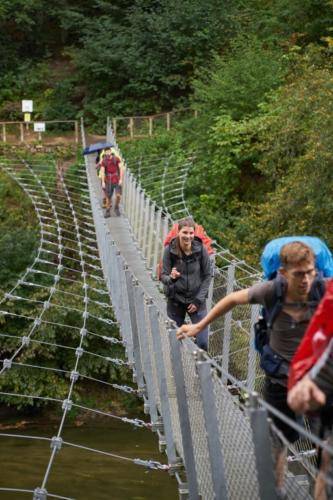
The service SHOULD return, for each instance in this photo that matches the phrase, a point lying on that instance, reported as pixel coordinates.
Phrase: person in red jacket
(111, 180)
(311, 370)
(310, 383)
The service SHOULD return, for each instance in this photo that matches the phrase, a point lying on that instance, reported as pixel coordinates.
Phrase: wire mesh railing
(57, 322)
(240, 425)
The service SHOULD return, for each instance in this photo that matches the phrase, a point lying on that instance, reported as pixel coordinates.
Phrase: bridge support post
(165, 227)
(134, 330)
(134, 205)
(157, 242)
(141, 218)
(262, 449)
(125, 192)
(114, 279)
(151, 234)
(125, 323)
(147, 361)
(211, 291)
(137, 211)
(130, 200)
(162, 382)
(227, 325)
(184, 417)
(145, 227)
(251, 368)
(210, 413)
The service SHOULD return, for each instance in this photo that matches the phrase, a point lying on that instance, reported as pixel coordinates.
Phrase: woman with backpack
(186, 275)
(111, 178)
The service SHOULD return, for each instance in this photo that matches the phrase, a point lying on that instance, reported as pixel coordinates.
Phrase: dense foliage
(259, 73)
(18, 231)
(263, 163)
(52, 345)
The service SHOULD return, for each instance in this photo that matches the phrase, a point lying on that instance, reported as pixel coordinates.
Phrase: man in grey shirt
(298, 273)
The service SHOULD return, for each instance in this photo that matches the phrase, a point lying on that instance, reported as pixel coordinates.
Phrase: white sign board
(27, 106)
(39, 127)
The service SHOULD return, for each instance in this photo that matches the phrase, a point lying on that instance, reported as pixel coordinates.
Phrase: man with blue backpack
(295, 286)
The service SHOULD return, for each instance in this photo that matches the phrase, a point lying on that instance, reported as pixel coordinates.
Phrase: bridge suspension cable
(48, 286)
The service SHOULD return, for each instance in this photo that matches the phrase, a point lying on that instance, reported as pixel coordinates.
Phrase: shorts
(111, 188)
(325, 418)
(320, 422)
(275, 395)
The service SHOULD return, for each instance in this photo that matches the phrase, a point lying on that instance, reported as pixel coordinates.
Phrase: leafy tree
(237, 82)
(296, 159)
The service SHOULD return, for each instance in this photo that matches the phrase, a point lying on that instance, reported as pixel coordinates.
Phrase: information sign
(27, 106)
(39, 127)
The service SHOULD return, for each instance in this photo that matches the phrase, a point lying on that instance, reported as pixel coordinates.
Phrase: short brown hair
(295, 253)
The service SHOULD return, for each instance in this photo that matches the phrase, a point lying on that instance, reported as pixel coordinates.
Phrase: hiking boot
(107, 213)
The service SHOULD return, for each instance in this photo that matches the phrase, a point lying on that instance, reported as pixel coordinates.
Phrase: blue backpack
(270, 259)
(271, 362)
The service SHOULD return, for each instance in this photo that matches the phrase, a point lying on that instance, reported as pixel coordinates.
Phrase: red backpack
(199, 232)
(112, 169)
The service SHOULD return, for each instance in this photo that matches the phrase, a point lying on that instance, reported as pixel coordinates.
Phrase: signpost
(39, 127)
(27, 106)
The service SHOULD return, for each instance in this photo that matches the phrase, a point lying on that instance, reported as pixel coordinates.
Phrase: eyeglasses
(301, 274)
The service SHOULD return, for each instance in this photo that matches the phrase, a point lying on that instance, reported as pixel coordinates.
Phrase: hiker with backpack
(186, 275)
(311, 372)
(111, 177)
(310, 384)
(289, 300)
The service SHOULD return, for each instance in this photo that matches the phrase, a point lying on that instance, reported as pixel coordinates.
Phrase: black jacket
(195, 274)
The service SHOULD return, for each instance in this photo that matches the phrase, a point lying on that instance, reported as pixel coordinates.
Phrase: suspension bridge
(93, 276)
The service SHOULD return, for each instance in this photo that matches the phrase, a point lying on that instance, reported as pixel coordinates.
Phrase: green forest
(258, 72)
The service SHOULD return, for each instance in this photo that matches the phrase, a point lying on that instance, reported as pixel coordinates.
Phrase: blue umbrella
(97, 146)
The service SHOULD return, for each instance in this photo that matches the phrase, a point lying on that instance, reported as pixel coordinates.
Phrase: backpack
(199, 232)
(270, 261)
(112, 169)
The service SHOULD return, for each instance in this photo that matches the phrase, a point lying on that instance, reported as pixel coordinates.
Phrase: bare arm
(222, 307)
(102, 174)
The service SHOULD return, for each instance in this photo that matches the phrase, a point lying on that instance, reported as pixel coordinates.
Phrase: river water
(82, 474)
